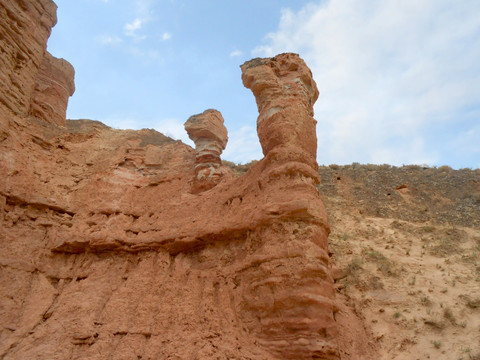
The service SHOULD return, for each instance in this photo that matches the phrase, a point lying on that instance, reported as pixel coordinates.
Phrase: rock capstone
(285, 92)
(210, 136)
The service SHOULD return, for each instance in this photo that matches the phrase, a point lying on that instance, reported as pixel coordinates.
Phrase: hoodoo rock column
(210, 137)
(288, 295)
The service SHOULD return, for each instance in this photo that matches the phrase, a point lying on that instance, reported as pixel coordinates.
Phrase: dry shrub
(384, 265)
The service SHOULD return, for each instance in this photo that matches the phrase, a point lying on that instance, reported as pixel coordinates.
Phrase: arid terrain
(124, 244)
(407, 244)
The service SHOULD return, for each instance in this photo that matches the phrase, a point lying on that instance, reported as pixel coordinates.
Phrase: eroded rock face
(25, 27)
(108, 253)
(297, 308)
(285, 93)
(54, 85)
(210, 137)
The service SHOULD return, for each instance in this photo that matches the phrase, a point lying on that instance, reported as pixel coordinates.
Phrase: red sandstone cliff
(128, 244)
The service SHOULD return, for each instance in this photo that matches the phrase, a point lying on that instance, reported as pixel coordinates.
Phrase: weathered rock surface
(285, 93)
(210, 137)
(25, 27)
(54, 85)
(299, 322)
(107, 252)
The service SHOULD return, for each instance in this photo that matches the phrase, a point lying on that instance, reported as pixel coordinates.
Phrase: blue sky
(399, 80)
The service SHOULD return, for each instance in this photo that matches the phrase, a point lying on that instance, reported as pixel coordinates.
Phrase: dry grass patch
(384, 265)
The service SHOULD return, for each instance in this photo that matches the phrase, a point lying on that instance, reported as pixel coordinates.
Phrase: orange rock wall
(25, 27)
(54, 84)
(108, 250)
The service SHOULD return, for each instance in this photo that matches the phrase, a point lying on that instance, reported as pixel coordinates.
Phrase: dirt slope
(406, 244)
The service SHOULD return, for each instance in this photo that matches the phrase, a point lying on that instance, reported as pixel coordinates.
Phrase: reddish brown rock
(296, 318)
(210, 137)
(25, 27)
(54, 85)
(285, 93)
(107, 252)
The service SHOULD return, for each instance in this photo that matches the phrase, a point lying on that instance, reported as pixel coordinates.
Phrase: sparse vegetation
(384, 265)
(355, 264)
(475, 357)
(428, 229)
(408, 254)
(472, 303)
(426, 301)
(436, 195)
(239, 169)
(448, 314)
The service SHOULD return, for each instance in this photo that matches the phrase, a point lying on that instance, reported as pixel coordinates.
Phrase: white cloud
(236, 53)
(166, 36)
(242, 144)
(109, 40)
(175, 129)
(391, 74)
(131, 29)
(144, 8)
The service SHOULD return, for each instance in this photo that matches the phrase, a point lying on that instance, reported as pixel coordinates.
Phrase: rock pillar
(210, 137)
(288, 296)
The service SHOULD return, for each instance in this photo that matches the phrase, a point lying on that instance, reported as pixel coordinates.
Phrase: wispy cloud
(236, 53)
(109, 40)
(143, 15)
(166, 36)
(175, 129)
(132, 28)
(242, 144)
(394, 76)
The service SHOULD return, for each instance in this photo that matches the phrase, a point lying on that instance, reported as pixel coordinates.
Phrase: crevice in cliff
(16, 200)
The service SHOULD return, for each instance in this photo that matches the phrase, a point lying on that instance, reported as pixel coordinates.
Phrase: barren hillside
(406, 245)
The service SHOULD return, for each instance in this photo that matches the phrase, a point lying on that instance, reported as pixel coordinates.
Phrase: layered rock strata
(54, 85)
(108, 253)
(210, 136)
(24, 27)
(296, 320)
